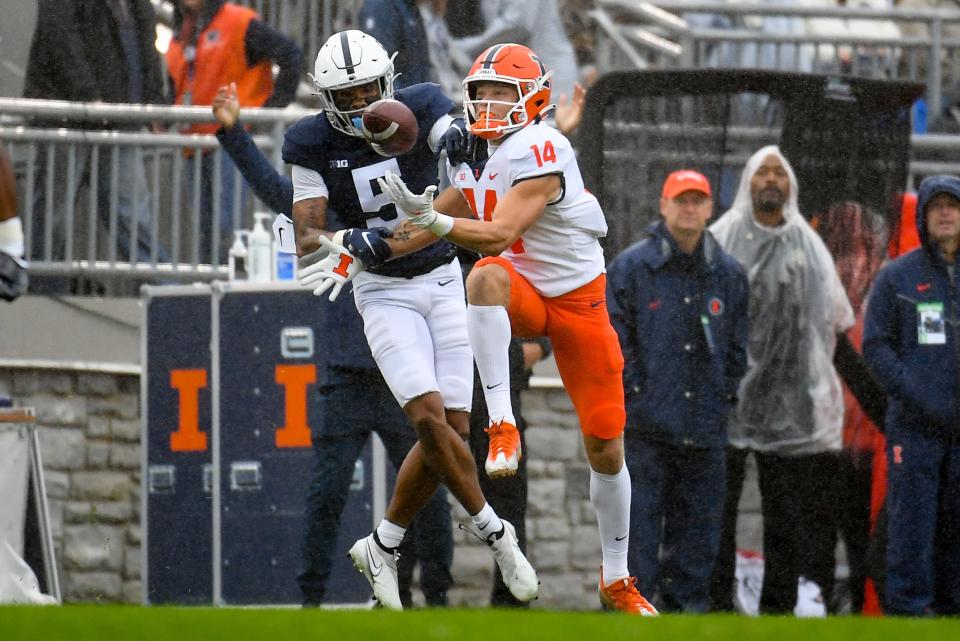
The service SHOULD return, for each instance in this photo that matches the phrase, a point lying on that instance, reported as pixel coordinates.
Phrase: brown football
(8, 187)
(391, 125)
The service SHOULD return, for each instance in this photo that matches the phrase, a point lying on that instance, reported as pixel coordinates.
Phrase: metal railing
(72, 228)
(671, 33)
(129, 204)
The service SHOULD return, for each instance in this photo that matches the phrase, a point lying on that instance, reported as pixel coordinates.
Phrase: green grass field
(113, 623)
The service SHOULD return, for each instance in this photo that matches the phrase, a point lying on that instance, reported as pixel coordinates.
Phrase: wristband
(442, 226)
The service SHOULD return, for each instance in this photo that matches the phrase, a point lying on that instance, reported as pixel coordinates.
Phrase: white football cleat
(379, 566)
(518, 575)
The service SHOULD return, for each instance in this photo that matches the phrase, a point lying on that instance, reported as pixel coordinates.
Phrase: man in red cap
(679, 305)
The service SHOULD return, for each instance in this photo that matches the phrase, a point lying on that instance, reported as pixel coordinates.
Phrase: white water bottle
(260, 250)
(237, 257)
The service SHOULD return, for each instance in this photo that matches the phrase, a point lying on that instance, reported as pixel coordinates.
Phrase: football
(391, 125)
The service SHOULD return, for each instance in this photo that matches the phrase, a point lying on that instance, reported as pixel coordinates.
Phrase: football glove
(336, 270)
(368, 245)
(457, 142)
(418, 207)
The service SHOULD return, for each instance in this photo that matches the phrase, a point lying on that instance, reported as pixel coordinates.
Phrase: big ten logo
(295, 431)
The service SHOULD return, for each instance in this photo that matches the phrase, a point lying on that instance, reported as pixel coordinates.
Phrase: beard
(769, 200)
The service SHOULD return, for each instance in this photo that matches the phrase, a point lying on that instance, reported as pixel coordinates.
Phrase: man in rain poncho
(790, 403)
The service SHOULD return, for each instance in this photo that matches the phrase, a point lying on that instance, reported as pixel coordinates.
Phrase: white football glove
(417, 207)
(336, 270)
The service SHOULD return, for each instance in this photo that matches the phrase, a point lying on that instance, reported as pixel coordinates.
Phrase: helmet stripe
(345, 47)
(491, 57)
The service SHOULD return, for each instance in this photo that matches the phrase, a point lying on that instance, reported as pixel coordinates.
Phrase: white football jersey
(560, 251)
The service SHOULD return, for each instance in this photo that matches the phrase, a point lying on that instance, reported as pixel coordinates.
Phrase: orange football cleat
(504, 454)
(623, 595)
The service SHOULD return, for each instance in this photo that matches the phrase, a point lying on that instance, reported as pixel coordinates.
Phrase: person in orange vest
(216, 43)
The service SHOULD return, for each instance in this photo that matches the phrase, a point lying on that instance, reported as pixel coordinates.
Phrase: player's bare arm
(408, 238)
(520, 208)
(309, 221)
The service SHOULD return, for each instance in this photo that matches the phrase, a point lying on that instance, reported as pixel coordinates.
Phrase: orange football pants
(585, 346)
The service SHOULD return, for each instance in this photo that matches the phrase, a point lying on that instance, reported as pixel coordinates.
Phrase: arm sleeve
(265, 43)
(272, 188)
(864, 387)
(308, 183)
(880, 335)
(436, 132)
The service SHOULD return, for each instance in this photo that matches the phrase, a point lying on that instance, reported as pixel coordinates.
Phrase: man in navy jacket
(679, 305)
(910, 342)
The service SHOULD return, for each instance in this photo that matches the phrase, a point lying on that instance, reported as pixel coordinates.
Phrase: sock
(489, 330)
(610, 495)
(389, 534)
(487, 522)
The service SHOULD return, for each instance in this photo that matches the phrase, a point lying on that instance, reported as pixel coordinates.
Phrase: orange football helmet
(514, 65)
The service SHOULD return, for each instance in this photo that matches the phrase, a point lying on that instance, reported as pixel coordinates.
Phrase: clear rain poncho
(790, 400)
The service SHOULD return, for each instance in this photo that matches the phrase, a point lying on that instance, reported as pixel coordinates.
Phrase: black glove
(13, 278)
(368, 245)
(458, 143)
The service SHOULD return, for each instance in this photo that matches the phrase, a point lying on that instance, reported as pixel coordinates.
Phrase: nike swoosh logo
(492, 176)
(492, 386)
(443, 283)
(366, 240)
(923, 287)
(620, 538)
(375, 568)
(595, 303)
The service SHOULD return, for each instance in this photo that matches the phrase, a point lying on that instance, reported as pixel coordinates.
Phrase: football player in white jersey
(412, 307)
(526, 208)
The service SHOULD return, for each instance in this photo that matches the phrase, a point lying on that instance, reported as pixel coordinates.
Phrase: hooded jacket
(790, 400)
(682, 324)
(910, 334)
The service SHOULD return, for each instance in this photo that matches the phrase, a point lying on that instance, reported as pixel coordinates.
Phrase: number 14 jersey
(560, 251)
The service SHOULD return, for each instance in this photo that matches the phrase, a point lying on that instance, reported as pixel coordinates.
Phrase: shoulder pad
(304, 142)
(522, 140)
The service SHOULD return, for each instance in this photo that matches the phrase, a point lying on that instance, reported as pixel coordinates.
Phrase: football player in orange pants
(526, 208)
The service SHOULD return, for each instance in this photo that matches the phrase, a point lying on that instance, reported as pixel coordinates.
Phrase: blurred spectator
(950, 29)
(94, 51)
(759, 54)
(536, 24)
(854, 236)
(410, 28)
(677, 298)
(215, 43)
(13, 270)
(355, 401)
(790, 407)
(911, 343)
(579, 27)
(852, 58)
(463, 18)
